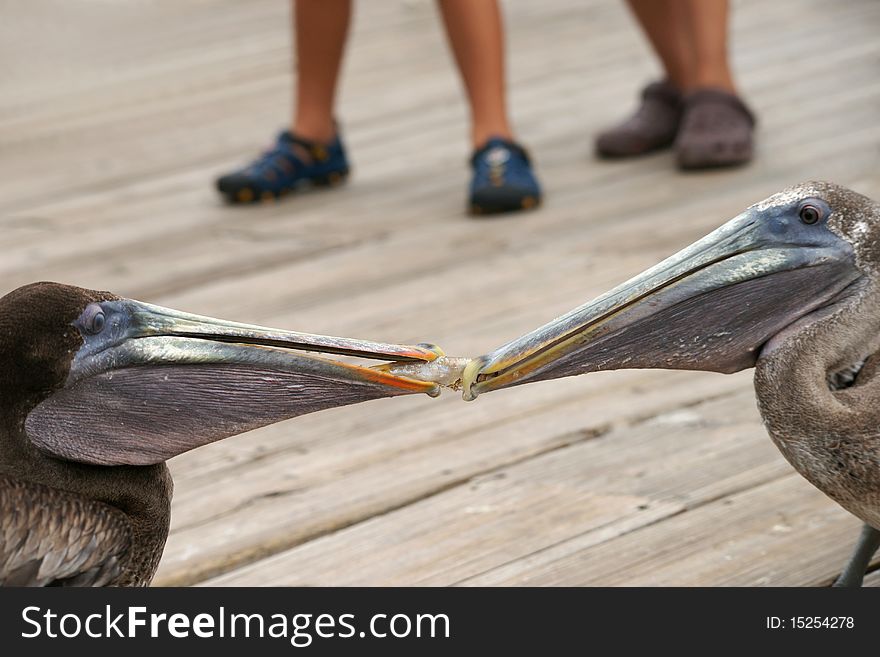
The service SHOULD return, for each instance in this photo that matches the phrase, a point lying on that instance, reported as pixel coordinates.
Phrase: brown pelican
(96, 392)
(790, 287)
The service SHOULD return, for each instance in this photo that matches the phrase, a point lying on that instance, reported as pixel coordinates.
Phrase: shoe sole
(708, 163)
(249, 196)
(494, 208)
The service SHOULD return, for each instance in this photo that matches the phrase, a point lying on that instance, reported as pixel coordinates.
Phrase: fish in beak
(148, 383)
(712, 306)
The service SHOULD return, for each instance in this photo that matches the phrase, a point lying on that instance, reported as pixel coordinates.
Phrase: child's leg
(690, 38)
(707, 23)
(697, 109)
(475, 33)
(667, 25)
(716, 127)
(655, 122)
(321, 28)
(310, 151)
(502, 180)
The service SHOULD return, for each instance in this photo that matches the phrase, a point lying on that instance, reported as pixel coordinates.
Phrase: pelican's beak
(142, 333)
(709, 307)
(149, 382)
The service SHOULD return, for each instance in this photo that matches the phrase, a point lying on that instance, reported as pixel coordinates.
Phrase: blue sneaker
(291, 163)
(503, 180)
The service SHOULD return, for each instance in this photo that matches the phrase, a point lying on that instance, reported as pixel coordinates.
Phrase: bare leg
(667, 25)
(475, 33)
(697, 109)
(655, 122)
(690, 38)
(854, 572)
(321, 28)
(707, 21)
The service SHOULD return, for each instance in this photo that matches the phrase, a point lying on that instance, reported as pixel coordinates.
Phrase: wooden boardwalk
(115, 117)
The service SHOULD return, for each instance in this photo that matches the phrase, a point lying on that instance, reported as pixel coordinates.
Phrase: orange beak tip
(435, 351)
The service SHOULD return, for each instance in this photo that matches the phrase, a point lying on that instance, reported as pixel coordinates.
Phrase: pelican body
(97, 392)
(790, 287)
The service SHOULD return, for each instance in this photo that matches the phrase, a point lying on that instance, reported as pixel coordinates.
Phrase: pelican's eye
(810, 214)
(93, 319)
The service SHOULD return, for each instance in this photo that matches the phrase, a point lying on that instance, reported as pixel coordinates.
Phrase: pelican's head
(99, 379)
(713, 305)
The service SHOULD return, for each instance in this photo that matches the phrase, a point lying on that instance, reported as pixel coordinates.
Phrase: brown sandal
(716, 131)
(653, 126)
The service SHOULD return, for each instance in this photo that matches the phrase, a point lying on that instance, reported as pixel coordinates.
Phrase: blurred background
(115, 118)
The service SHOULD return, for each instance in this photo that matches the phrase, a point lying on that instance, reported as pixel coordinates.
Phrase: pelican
(790, 287)
(97, 392)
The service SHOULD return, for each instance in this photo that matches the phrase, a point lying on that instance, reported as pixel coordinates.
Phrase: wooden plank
(705, 526)
(687, 457)
(531, 516)
(341, 480)
(784, 533)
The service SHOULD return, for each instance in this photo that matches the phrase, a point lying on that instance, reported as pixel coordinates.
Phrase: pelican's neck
(824, 433)
(792, 373)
